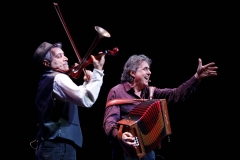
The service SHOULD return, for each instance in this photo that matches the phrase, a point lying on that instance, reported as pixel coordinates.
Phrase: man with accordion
(134, 92)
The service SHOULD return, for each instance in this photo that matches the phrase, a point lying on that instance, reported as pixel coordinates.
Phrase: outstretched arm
(207, 70)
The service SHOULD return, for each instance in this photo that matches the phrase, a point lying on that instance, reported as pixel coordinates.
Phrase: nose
(65, 58)
(149, 72)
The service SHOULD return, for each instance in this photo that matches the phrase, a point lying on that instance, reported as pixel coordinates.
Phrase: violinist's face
(59, 61)
(141, 76)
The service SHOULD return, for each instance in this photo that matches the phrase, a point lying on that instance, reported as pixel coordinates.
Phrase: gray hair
(48, 56)
(132, 65)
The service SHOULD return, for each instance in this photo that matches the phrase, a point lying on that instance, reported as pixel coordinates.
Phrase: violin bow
(68, 33)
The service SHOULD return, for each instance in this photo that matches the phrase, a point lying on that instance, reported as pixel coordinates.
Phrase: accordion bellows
(149, 122)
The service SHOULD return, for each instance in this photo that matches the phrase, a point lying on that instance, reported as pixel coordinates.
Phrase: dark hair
(132, 64)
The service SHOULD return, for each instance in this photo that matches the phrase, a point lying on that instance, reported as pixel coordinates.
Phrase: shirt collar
(127, 86)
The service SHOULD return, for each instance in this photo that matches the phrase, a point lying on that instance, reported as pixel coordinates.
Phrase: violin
(76, 70)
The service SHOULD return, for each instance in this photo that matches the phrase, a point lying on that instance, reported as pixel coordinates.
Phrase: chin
(62, 70)
(66, 69)
(146, 84)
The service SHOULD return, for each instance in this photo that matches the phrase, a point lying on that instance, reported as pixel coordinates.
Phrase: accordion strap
(151, 90)
(123, 101)
(130, 100)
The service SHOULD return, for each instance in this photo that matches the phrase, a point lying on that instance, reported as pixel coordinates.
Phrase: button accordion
(149, 123)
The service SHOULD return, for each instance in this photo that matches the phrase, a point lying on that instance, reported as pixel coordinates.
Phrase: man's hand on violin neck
(98, 64)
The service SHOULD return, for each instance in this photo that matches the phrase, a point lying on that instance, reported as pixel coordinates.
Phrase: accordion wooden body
(149, 123)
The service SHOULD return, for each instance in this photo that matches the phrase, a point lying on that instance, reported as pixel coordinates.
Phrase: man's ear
(132, 73)
(46, 63)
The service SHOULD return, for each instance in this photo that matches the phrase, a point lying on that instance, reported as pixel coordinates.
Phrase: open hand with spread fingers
(207, 70)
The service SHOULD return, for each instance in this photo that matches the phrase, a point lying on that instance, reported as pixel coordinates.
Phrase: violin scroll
(112, 52)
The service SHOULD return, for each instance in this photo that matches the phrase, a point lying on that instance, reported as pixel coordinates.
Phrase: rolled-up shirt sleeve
(83, 95)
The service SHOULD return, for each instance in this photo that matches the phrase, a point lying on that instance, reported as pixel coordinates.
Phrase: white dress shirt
(84, 95)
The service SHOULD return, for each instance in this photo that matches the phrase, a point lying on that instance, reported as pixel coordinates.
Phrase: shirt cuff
(114, 133)
(99, 71)
(194, 81)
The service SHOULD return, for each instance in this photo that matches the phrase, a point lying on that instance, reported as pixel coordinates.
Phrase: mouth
(147, 78)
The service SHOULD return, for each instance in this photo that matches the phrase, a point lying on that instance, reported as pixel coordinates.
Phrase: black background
(173, 34)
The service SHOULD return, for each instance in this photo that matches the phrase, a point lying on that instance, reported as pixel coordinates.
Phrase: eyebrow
(146, 67)
(60, 53)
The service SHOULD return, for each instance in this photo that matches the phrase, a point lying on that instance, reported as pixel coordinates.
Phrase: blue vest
(57, 120)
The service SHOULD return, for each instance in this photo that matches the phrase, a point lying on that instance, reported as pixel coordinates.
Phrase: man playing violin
(134, 85)
(57, 101)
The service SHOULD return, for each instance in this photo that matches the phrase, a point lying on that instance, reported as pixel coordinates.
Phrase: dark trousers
(55, 151)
